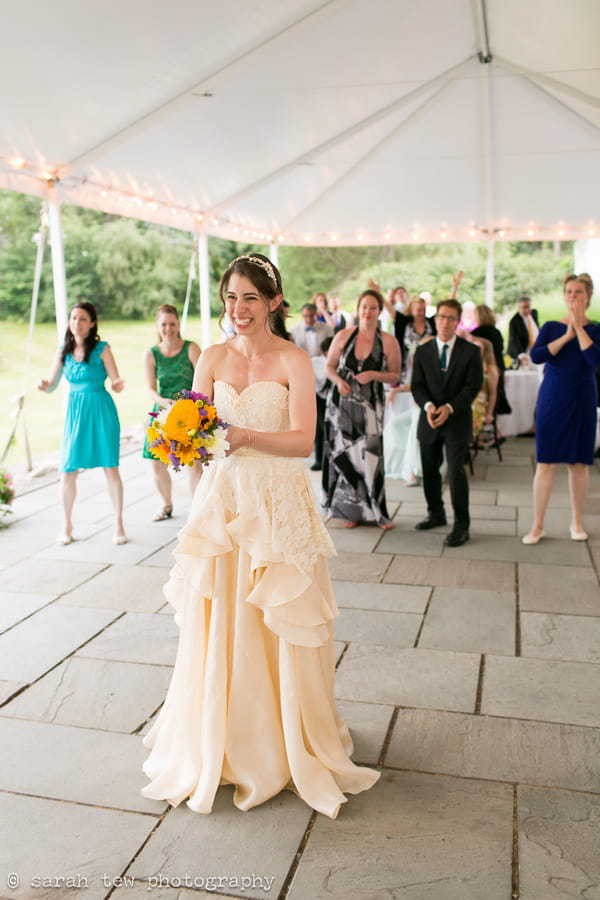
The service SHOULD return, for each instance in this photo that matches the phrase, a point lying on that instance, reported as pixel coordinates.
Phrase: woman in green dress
(169, 369)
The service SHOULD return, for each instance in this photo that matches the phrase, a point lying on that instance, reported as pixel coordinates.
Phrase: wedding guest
(486, 328)
(484, 404)
(567, 405)
(523, 328)
(169, 368)
(360, 361)
(91, 431)
(447, 375)
(251, 698)
(309, 336)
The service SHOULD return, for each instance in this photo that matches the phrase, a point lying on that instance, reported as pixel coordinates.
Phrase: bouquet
(7, 493)
(186, 431)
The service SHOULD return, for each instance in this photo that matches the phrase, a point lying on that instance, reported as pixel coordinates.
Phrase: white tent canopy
(311, 121)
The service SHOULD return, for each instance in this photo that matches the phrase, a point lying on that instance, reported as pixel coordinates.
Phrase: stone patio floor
(470, 677)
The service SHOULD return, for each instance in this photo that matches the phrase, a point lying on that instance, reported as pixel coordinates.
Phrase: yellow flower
(187, 453)
(162, 450)
(183, 417)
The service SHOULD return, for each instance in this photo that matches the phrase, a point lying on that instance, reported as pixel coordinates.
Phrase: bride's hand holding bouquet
(188, 430)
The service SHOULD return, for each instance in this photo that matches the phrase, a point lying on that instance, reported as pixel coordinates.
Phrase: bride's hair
(265, 277)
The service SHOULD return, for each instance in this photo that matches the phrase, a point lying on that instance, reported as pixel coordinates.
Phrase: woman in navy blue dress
(566, 415)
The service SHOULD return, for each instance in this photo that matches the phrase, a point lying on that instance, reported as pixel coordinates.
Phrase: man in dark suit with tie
(523, 328)
(447, 376)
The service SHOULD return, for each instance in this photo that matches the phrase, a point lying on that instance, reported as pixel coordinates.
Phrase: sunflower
(187, 453)
(160, 450)
(183, 417)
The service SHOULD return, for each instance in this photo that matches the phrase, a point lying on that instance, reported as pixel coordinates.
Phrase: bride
(251, 698)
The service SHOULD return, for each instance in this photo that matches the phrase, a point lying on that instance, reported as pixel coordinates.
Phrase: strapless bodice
(262, 406)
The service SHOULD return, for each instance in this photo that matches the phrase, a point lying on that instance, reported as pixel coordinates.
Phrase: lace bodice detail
(262, 406)
(261, 486)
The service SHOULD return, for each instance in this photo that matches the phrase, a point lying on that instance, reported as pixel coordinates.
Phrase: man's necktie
(444, 360)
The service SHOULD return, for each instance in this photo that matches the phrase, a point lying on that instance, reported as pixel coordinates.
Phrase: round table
(521, 386)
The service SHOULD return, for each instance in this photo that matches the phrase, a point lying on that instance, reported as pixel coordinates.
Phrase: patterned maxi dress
(353, 473)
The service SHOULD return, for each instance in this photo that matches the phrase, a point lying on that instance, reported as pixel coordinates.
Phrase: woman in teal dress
(91, 431)
(169, 368)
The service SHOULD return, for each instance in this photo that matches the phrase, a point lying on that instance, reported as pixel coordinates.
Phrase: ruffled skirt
(251, 698)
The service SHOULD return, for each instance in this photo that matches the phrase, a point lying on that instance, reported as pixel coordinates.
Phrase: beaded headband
(264, 264)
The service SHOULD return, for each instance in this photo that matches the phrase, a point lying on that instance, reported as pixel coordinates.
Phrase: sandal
(165, 513)
(385, 526)
(349, 524)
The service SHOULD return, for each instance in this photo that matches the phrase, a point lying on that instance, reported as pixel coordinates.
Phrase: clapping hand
(117, 385)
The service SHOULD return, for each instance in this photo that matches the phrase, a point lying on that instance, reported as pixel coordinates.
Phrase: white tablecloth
(521, 387)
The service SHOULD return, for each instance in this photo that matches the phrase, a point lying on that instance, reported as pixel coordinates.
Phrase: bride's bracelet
(248, 436)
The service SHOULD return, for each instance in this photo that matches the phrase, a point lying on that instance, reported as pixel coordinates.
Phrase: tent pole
(58, 261)
(274, 254)
(204, 283)
(489, 274)
(188, 291)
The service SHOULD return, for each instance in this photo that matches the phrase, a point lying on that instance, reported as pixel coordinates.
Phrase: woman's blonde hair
(413, 300)
(585, 280)
(485, 315)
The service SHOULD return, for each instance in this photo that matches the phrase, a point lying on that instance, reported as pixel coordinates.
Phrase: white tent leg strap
(191, 276)
(204, 280)
(58, 261)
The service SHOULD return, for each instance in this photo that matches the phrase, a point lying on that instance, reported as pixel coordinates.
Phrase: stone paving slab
(94, 693)
(560, 637)
(136, 638)
(415, 837)
(449, 572)
(42, 838)
(143, 890)
(362, 539)
(40, 642)
(162, 557)
(79, 765)
(431, 678)
(558, 844)
(368, 724)
(359, 566)
(277, 828)
(100, 548)
(558, 589)
(542, 690)
(128, 588)
(557, 522)
(15, 606)
(496, 749)
(476, 621)
(509, 549)
(47, 576)
(407, 540)
(375, 627)
(384, 597)
(476, 511)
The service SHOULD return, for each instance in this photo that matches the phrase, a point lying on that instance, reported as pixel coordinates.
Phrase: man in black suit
(447, 375)
(523, 328)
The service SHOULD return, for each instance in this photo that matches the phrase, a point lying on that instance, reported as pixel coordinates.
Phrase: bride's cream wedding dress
(251, 698)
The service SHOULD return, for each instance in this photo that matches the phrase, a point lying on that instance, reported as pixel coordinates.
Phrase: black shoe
(315, 467)
(457, 537)
(431, 522)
